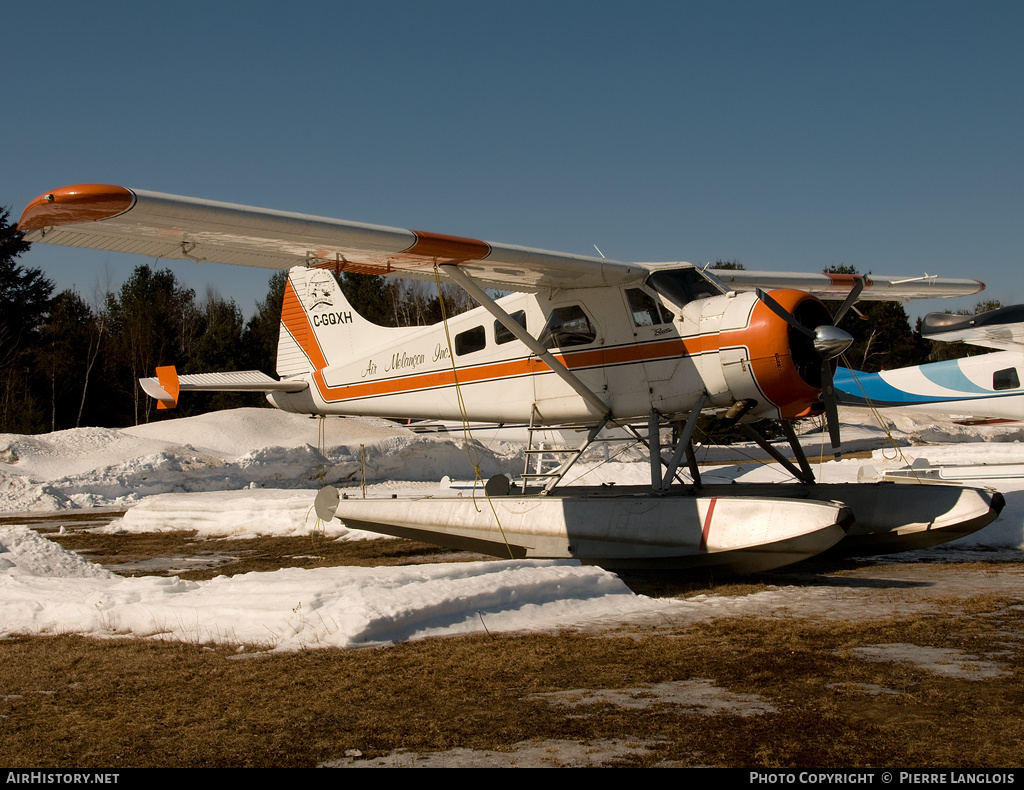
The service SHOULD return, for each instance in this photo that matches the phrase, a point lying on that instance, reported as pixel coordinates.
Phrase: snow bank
(45, 589)
(222, 451)
(256, 471)
(225, 514)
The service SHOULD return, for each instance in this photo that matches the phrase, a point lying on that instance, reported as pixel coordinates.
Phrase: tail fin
(318, 325)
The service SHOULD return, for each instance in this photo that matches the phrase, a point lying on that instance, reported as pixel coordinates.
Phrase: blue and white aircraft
(984, 389)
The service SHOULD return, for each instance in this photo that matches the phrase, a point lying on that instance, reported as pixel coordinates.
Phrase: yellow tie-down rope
(471, 450)
(319, 527)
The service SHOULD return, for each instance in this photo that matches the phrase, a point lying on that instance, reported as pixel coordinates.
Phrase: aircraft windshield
(681, 286)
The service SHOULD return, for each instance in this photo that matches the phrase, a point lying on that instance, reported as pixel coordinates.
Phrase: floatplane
(581, 343)
(975, 390)
(982, 390)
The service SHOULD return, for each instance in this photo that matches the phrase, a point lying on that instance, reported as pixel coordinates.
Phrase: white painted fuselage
(629, 346)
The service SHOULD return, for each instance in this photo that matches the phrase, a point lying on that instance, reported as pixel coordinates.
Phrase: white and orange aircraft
(583, 341)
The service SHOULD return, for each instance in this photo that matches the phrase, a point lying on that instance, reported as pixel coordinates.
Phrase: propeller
(827, 341)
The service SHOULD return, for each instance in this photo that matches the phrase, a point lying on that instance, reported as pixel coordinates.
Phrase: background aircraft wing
(877, 287)
(168, 226)
(1002, 328)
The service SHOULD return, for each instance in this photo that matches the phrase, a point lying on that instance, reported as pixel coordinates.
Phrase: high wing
(119, 219)
(1002, 328)
(168, 226)
(877, 287)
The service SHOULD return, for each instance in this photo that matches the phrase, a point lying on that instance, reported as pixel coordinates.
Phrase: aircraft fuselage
(630, 346)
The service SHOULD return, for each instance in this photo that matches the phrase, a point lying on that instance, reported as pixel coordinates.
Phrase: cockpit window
(567, 326)
(645, 310)
(682, 286)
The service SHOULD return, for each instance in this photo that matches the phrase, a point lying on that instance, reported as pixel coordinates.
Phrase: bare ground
(842, 664)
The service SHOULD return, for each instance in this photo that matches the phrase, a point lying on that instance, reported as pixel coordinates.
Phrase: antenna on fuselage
(599, 251)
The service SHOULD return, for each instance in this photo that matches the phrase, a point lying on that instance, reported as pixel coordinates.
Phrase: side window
(567, 326)
(502, 335)
(469, 341)
(1005, 379)
(646, 311)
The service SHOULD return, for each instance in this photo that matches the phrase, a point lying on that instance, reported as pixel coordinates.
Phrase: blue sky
(786, 135)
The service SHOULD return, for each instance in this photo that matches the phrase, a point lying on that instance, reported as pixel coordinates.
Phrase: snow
(253, 472)
(223, 451)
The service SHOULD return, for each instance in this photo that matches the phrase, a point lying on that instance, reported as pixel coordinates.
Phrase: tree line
(66, 362)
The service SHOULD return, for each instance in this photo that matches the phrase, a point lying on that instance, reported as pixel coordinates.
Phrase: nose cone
(831, 341)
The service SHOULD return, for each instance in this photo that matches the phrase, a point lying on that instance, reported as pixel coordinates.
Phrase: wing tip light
(79, 203)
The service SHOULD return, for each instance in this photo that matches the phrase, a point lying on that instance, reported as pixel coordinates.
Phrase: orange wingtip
(168, 378)
(80, 203)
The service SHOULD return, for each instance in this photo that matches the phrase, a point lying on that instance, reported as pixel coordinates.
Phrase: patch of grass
(234, 556)
(121, 703)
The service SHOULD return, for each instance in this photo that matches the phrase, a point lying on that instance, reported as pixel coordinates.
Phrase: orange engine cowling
(771, 362)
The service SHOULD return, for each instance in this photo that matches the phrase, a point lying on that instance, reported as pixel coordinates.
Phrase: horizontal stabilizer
(167, 384)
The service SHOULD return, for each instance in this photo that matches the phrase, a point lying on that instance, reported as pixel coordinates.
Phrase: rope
(880, 420)
(472, 453)
(319, 529)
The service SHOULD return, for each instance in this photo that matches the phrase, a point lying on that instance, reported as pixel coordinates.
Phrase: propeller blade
(828, 395)
(782, 313)
(850, 299)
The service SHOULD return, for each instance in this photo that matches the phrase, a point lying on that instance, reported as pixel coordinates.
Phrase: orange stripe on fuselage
(296, 320)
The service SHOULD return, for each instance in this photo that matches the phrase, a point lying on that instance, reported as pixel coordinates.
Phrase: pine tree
(220, 346)
(25, 298)
(262, 330)
(153, 321)
(69, 342)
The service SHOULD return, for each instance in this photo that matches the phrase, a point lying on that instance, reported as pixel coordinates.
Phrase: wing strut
(469, 285)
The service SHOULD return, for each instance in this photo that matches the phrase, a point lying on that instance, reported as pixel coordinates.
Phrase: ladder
(547, 464)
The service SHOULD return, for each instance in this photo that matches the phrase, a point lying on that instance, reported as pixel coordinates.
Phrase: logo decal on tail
(320, 289)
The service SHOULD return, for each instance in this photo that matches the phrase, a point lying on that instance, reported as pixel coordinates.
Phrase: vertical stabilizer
(318, 325)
